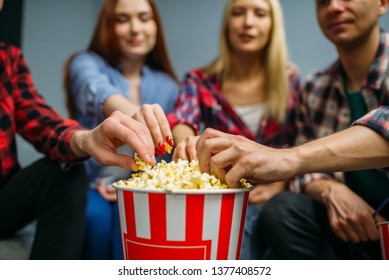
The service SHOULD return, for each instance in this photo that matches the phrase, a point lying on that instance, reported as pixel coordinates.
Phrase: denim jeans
(251, 243)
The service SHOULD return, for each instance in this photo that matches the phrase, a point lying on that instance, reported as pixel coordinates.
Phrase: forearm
(181, 132)
(118, 102)
(355, 148)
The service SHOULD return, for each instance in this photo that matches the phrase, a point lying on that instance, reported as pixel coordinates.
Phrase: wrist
(294, 162)
(78, 143)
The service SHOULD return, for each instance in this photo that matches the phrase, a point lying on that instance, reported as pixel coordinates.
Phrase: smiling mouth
(245, 37)
(337, 24)
(134, 43)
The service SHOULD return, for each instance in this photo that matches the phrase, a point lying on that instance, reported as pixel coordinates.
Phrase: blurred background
(49, 31)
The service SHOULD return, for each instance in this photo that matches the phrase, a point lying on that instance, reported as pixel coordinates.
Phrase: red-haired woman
(125, 66)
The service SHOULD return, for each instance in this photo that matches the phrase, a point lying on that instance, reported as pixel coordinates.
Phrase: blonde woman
(250, 89)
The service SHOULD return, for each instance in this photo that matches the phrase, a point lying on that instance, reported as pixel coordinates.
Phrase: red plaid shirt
(201, 105)
(23, 111)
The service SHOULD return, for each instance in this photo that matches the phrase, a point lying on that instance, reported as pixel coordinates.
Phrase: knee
(72, 183)
(65, 187)
(280, 208)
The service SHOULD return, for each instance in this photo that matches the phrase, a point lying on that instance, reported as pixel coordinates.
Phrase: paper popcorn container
(383, 228)
(182, 224)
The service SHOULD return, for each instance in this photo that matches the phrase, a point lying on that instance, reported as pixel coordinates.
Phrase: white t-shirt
(251, 115)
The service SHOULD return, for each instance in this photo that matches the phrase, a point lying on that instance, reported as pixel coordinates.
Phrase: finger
(163, 123)
(235, 174)
(110, 189)
(372, 230)
(157, 122)
(100, 188)
(207, 134)
(114, 159)
(180, 151)
(209, 147)
(146, 117)
(335, 225)
(137, 136)
(175, 156)
(191, 148)
(361, 229)
(350, 232)
(221, 164)
(125, 126)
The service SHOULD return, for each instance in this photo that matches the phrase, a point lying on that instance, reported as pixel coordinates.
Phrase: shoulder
(322, 78)
(88, 57)
(200, 76)
(9, 52)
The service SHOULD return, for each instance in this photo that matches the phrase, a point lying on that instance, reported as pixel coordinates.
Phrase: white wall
(54, 29)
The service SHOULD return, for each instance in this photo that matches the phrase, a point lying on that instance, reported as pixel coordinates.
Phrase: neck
(245, 67)
(132, 68)
(357, 60)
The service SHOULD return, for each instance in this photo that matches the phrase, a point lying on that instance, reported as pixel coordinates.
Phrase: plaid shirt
(324, 107)
(201, 104)
(378, 120)
(23, 111)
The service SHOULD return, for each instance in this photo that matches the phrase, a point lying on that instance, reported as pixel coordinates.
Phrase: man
(231, 158)
(54, 194)
(333, 219)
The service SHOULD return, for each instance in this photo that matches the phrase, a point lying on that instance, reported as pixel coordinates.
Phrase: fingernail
(150, 158)
(161, 147)
(169, 140)
(158, 152)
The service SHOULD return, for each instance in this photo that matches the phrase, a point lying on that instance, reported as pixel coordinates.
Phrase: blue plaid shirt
(324, 108)
(378, 120)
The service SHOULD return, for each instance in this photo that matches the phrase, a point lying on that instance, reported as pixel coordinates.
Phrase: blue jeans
(251, 243)
(103, 234)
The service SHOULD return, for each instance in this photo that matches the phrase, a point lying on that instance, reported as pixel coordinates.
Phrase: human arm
(64, 139)
(234, 157)
(113, 132)
(97, 88)
(261, 193)
(186, 117)
(358, 147)
(117, 102)
(349, 215)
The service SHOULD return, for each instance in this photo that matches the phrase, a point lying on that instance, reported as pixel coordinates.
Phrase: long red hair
(105, 43)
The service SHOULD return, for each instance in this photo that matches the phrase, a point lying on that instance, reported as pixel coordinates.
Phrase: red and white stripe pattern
(384, 239)
(181, 226)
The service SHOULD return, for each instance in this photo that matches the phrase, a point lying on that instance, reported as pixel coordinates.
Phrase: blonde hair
(274, 59)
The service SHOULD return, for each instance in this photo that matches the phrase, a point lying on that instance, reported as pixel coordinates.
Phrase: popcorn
(174, 175)
(141, 164)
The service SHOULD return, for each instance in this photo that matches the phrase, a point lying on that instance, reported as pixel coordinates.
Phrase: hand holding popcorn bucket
(202, 219)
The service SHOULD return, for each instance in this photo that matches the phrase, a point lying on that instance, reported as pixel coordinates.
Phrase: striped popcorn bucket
(383, 228)
(183, 224)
